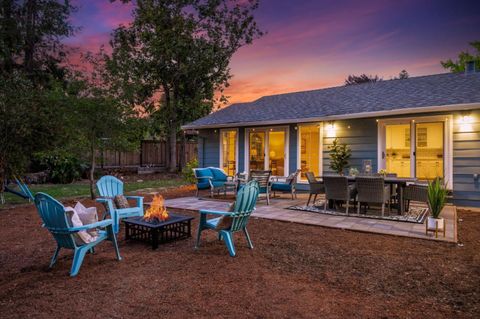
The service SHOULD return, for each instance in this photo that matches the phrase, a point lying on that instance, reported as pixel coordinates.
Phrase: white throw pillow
(81, 237)
(87, 216)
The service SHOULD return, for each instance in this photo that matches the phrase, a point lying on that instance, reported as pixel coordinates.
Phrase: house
(419, 127)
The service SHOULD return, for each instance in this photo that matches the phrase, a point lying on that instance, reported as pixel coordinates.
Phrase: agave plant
(437, 196)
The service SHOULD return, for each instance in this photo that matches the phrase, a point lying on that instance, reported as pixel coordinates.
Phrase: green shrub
(437, 197)
(63, 168)
(187, 171)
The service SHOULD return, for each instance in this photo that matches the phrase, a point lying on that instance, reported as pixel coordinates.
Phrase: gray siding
(466, 161)
(361, 137)
(209, 148)
(292, 152)
(241, 149)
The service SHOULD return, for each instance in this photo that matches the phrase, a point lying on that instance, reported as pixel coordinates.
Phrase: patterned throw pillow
(120, 202)
(225, 222)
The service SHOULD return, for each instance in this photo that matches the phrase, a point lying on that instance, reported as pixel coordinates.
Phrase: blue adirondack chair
(244, 206)
(108, 187)
(55, 219)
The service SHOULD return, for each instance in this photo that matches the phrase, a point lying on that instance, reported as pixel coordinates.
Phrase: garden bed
(294, 271)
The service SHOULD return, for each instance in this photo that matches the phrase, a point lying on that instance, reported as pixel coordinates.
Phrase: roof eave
(424, 109)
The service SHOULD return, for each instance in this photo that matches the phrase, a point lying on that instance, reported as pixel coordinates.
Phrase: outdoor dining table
(401, 182)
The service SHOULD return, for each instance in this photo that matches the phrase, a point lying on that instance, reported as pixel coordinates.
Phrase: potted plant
(437, 197)
(353, 171)
(339, 156)
(383, 172)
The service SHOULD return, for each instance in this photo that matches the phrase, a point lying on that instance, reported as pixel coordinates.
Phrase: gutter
(425, 109)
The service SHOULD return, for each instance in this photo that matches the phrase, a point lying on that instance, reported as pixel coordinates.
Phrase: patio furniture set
(216, 180)
(363, 190)
(59, 221)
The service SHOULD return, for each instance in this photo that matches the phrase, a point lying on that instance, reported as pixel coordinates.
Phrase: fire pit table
(157, 232)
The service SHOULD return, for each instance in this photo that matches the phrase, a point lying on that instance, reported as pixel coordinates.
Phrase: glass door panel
(257, 151)
(429, 150)
(309, 150)
(229, 151)
(276, 152)
(398, 149)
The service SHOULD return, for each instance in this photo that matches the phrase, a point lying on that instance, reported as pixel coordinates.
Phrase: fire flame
(157, 210)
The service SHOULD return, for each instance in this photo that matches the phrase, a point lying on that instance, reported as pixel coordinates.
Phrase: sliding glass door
(228, 151)
(414, 148)
(267, 149)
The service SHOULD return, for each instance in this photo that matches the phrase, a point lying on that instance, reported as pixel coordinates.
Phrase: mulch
(294, 271)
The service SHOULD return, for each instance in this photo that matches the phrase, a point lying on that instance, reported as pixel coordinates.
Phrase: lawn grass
(82, 189)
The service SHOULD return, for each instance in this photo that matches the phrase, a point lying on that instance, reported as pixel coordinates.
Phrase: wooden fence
(151, 153)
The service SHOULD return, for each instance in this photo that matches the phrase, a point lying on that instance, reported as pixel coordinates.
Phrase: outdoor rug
(414, 215)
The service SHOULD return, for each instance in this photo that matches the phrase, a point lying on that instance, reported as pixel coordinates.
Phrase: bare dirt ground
(294, 271)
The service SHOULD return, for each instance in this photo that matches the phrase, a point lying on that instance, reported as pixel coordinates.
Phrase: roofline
(425, 109)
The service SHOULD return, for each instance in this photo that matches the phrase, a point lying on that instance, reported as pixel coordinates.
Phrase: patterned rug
(414, 215)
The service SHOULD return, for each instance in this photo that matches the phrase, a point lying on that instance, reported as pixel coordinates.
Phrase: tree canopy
(463, 57)
(174, 58)
(363, 78)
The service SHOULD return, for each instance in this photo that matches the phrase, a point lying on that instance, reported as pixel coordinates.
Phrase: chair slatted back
(315, 185)
(55, 219)
(109, 186)
(244, 205)
(336, 187)
(370, 189)
(418, 193)
(262, 177)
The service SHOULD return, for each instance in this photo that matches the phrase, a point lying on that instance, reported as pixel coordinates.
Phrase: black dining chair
(338, 189)
(372, 190)
(316, 187)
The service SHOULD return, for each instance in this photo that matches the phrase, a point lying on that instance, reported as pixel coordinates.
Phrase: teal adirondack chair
(55, 219)
(244, 206)
(108, 187)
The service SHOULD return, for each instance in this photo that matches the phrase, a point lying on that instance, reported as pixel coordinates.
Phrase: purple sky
(317, 43)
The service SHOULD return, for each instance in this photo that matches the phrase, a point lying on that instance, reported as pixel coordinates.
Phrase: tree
(363, 78)
(339, 156)
(175, 56)
(403, 75)
(31, 75)
(464, 57)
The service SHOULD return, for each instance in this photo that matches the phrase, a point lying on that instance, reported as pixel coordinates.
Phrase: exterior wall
(361, 136)
(209, 148)
(466, 160)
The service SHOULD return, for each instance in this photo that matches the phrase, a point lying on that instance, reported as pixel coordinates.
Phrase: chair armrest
(139, 199)
(230, 178)
(100, 224)
(214, 212)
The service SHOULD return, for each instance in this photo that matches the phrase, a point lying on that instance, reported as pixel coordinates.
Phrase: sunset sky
(314, 43)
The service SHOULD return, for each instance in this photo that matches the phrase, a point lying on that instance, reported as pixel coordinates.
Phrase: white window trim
(221, 147)
(267, 129)
(447, 142)
(320, 147)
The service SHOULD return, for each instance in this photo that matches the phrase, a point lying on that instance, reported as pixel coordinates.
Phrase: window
(310, 151)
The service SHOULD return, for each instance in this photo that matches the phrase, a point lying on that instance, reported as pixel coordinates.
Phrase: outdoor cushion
(82, 237)
(87, 216)
(121, 202)
(281, 187)
(203, 185)
(218, 174)
(203, 172)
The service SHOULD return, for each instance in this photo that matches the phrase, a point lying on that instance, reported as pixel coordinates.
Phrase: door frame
(268, 129)
(447, 142)
(220, 161)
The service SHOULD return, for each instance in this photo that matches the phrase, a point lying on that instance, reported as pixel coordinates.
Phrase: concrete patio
(277, 210)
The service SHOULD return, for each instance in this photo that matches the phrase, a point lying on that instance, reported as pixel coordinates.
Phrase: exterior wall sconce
(330, 129)
(466, 121)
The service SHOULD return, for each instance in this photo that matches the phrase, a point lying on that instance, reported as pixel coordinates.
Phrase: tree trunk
(172, 139)
(92, 169)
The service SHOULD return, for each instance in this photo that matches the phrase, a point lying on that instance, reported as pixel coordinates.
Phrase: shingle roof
(416, 92)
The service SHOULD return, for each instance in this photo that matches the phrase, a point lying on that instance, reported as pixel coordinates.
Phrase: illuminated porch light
(330, 129)
(466, 122)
